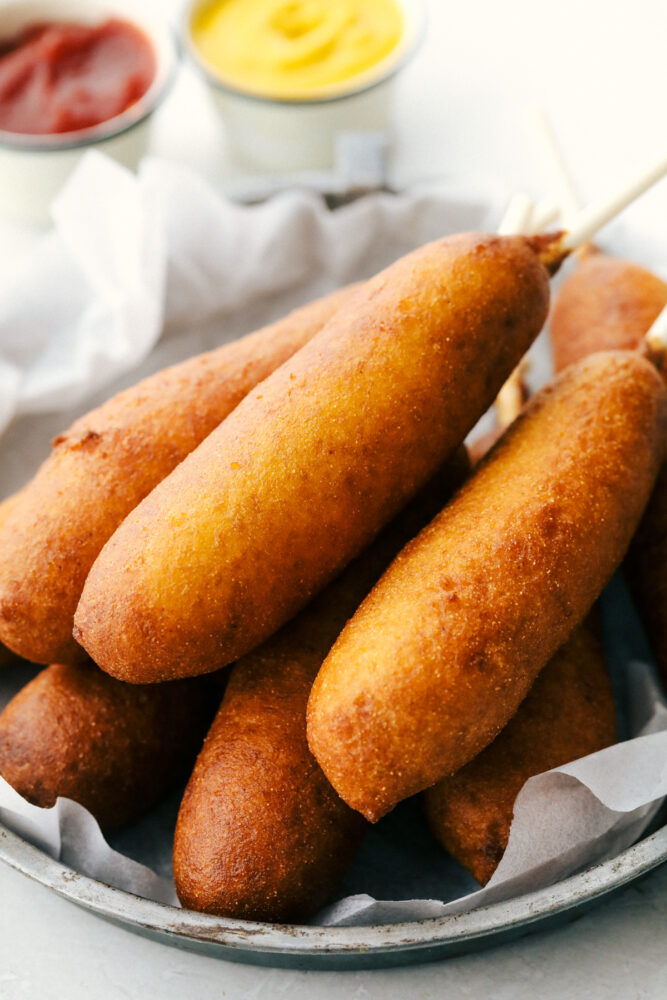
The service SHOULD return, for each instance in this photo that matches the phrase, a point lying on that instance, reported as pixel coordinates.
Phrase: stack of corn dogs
(282, 544)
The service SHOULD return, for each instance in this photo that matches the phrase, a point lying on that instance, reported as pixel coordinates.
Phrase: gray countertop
(51, 950)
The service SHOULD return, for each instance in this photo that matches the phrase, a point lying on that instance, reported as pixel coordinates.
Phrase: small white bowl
(300, 134)
(33, 168)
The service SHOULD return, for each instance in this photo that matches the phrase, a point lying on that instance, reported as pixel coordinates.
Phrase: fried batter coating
(305, 472)
(610, 302)
(446, 646)
(645, 570)
(115, 748)
(568, 713)
(607, 304)
(108, 461)
(261, 833)
(6, 655)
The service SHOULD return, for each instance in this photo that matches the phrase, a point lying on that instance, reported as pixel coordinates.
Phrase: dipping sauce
(295, 48)
(62, 77)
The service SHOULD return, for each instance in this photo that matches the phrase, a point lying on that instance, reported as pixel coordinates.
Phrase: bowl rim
(231, 935)
(164, 41)
(360, 84)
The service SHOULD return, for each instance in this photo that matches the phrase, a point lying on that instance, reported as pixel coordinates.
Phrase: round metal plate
(339, 947)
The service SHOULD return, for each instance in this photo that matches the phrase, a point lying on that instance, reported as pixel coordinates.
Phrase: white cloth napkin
(132, 256)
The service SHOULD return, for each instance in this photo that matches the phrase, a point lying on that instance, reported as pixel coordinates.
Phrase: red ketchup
(61, 77)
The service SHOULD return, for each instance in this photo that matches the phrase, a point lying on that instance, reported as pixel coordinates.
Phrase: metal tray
(305, 947)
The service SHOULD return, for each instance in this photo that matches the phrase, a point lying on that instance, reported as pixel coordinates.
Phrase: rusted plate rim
(247, 936)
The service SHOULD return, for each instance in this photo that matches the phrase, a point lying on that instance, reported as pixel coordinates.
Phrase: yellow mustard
(295, 48)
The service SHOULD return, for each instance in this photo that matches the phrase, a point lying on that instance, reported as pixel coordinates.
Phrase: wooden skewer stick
(512, 396)
(656, 338)
(589, 220)
(557, 247)
(562, 184)
(521, 217)
(544, 213)
(517, 216)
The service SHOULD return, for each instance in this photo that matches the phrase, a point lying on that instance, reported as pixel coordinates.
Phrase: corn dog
(645, 570)
(612, 303)
(6, 655)
(261, 834)
(107, 462)
(606, 304)
(568, 713)
(446, 646)
(308, 468)
(115, 748)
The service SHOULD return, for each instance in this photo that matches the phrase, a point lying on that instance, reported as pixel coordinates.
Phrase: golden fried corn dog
(6, 655)
(568, 713)
(108, 461)
(612, 303)
(645, 570)
(115, 748)
(309, 467)
(446, 646)
(606, 304)
(261, 834)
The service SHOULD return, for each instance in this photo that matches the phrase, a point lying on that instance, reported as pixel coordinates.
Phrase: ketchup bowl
(50, 124)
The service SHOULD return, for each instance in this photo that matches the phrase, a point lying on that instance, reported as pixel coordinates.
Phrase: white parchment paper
(141, 272)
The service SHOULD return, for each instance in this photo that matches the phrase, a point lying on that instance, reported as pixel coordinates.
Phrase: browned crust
(568, 713)
(304, 473)
(261, 834)
(646, 572)
(609, 302)
(115, 748)
(6, 655)
(446, 646)
(108, 461)
(605, 304)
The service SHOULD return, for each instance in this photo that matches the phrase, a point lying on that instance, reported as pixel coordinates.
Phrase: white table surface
(598, 67)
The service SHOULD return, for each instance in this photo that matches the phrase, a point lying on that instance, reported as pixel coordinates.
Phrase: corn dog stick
(544, 213)
(562, 184)
(512, 396)
(656, 338)
(590, 220)
(530, 219)
(517, 216)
